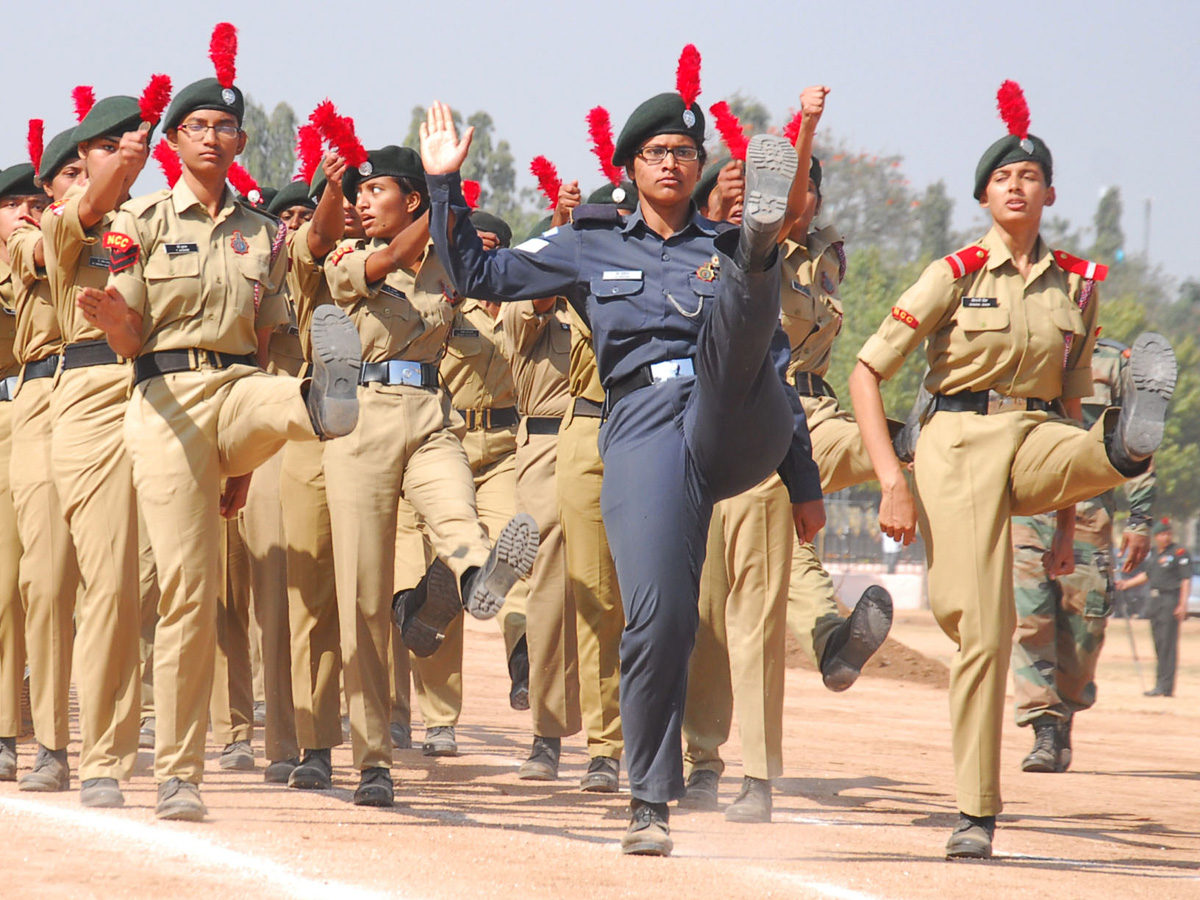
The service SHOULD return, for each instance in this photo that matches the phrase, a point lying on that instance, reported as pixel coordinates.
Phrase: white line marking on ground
(113, 830)
(820, 888)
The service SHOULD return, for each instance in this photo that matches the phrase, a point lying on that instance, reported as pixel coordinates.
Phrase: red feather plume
(792, 130)
(687, 76)
(471, 190)
(308, 150)
(339, 131)
(155, 98)
(548, 180)
(600, 131)
(85, 99)
(34, 141)
(1010, 100)
(243, 182)
(168, 161)
(731, 129)
(222, 50)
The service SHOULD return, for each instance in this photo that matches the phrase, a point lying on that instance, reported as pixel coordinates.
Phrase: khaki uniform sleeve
(273, 307)
(522, 326)
(131, 282)
(1077, 377)
(65, 238)
(346, 274)
(21, 246)
(306, 271)
(919, 312)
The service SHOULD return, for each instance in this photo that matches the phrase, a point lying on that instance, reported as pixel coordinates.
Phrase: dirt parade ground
(862, 812)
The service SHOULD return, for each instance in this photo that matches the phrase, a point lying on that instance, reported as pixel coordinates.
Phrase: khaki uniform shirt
(539, 349)
(405, 316)
(8, 322)
(37, 333)
(583, 377)
(992, 330)
(201, 282)
(75, 258)
(306, 284)
(475, 372)
(811, 307)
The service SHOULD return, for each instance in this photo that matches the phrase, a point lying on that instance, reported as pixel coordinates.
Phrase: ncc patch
(116, 242)
(57, 207)
(980, 302)
(903, 315)
(338, 255)
(122, 251)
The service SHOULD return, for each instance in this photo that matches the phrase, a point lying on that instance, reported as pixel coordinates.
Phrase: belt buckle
(669, 369)
(403, 372)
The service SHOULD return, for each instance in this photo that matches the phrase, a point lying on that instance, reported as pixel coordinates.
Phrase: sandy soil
(862, 812)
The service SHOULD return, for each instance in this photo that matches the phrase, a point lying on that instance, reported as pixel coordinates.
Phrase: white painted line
(819, 888)
(113, 830)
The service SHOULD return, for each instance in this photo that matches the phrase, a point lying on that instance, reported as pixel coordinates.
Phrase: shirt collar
(998, 253)
(183, 199)
(695, 221)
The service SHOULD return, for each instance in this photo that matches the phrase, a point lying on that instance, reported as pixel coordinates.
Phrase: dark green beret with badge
(18, 181)
(396, 162)
(624, 195)
(662, 114)
(708, 181)
(485, 221)
(61, 150)
(1018, 145)
(1163, 526)
(266, 196)
(318, 185)
(207, 93)
(294, 193)
(110, 117)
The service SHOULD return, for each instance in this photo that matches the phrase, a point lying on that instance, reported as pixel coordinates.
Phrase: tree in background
(1110, 239)
(270, 154)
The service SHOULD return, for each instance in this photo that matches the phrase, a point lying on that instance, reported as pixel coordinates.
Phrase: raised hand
(442, 152)
(569, 197)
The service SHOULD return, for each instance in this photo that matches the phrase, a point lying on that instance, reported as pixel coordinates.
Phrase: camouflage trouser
(1060, 622)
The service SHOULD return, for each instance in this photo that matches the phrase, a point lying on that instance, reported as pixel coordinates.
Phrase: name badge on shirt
(465, 332)
(97, 262)
(797, 286)
(624, 275)
(393, 292)
(980, 302)
(177, 249)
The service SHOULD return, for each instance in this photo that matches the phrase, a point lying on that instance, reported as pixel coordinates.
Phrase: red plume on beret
(308, 150)
(168, 161)
(34, 141)
(792, 130)
(547, 177)
(243, 182)
(155, 98)
(222, 50)
(471, 191)
(687, 76)
(731, 129)
(85, 99)
(600, 131)
(339, 131)
(1010, 100)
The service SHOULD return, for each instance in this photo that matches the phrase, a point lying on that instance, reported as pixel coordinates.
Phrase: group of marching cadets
(613, 437)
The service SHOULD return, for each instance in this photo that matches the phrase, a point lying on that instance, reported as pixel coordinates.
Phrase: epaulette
(967, 260)
(139, 205)
(592, 215)
(1081, 267)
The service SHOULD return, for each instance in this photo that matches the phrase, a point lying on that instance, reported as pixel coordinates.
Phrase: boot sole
(770, 170)
(968, 850)
(647, 848)
(870, 623)
(599, 784)
(39, 785)
(375, 797)
(180, 812)
(437, 604)
(439, 750)
(1039, 766)
(337, 363)
(103, 798)
(537, 772)
(511, 558)
(1153, 372)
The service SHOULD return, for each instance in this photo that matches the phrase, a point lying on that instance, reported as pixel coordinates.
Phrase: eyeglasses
(658, 154)
(197, 130)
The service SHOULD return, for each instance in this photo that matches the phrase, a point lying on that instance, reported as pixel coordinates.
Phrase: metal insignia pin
(618, 194)
(365, 169)
(1027, 145)
(228, 96)
(689, 118)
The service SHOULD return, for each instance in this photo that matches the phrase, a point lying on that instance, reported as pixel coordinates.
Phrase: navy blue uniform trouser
(1165, 628)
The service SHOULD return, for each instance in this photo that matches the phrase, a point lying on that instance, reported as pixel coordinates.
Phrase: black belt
(811, 385)
(89, 353)
(166, 362)
(644, 376)
(500, 417)
(977, 402)
(543, 424)
(394, 372)
(588, 409)
(43, 368)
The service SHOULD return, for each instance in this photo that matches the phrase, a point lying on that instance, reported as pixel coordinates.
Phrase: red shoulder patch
(1081, 267)
(967, 260)
(903, 315)
(122, 251)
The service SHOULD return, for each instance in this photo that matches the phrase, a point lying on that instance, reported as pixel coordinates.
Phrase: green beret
(318, 185)
(294, 193)
(624, 195)
(1163, 526)
(708, 181)
(485, 221)
(541, 227)
(206, 93)
(1008, 150)
(265, 196)
(18, 181)
(398, 162)
(61, 150)
(814, 172)
(663, 114)
(112, 116)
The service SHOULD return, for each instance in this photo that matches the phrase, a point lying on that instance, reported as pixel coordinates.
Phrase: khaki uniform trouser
(316, 650)
(550, 609)
(401, 447)
(148, 597)
(12, 613)
(49, 575)
(600, 617)
(231, 707)
(739, 657)
(184, 433)
(973, 474)
(94, 480)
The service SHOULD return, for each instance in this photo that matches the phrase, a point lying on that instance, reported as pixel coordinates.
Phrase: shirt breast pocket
(1067, 319)
(703, 291)
(560, 337)
(625, 294)
(173, 280)
(464, 343)
(982, 320)
(256, 270)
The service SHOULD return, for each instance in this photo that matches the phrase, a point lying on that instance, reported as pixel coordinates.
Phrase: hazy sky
(1113, 87)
